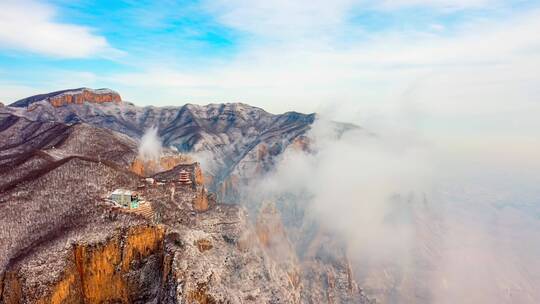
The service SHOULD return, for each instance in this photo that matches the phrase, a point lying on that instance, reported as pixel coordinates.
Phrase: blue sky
(118, 39)
(463, 66)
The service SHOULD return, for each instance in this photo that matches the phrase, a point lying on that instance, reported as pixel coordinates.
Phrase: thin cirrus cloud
(293, 18)
(281, 18)
(31, 26)
(444, 4)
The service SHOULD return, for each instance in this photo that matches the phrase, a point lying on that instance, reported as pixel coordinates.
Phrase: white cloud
(12, 92)
(31, 26)
(282, 18)
(444, 4)
(482, 66)
(160, 78)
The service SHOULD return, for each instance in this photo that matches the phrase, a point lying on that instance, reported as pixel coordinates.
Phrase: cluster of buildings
(180, 177)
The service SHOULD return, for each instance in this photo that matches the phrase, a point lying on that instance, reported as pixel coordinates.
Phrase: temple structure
(185, 178)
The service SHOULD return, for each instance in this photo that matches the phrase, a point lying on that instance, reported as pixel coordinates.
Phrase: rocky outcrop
(199, 176)
(126, 268)
(269, 227)
(73, 96)
(200, 202)
(302, 143)
(229, 190)
(85, 95)
(143, 168)
(166, 162)
(213, 266)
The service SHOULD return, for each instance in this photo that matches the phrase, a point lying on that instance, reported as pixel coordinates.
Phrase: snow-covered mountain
(241, 139)
(63, 153)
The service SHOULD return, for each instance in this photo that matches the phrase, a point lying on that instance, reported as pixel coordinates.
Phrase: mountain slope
(29, 147)
(61, 241)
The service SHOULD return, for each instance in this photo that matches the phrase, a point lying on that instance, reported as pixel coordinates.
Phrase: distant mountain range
(241, 138)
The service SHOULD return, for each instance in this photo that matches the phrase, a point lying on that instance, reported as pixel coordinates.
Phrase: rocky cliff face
(74, 96)
(127, 267)
(166, 162)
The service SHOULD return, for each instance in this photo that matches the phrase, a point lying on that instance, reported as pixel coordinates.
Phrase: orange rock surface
(85, 95)
(149, 167)
(199, 176)
(137, 167)
(98, 272)
(11, 289)
(200, 202)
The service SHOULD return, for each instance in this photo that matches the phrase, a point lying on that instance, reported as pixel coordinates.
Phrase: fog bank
(150, 147)
(422, 222)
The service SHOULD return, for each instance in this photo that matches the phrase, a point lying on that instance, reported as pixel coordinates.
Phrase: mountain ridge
(233, 133)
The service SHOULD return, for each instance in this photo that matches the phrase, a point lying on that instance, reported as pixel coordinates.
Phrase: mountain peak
(76, 96)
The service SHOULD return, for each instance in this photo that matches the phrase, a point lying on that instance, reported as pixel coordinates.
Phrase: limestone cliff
(125, 268)
(200, 202)
(72, 96)
(166, 162)
(85, 95)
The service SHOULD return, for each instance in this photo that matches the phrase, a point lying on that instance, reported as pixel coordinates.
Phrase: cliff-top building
(125, 198)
